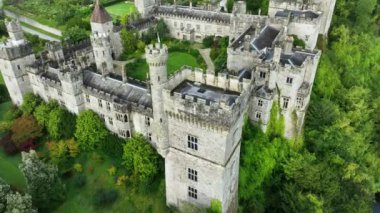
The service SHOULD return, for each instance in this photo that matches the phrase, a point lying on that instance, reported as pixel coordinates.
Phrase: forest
(334, 166)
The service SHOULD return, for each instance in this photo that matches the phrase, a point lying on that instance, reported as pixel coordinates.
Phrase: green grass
(40, 30)
(175, 62)
(121, 9)
(95, 169)
(10, 172)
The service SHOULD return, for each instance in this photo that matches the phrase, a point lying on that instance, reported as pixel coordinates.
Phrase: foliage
(74, 34)
(162, 30)
(62, 153)
(129, 41)
(112, 146)
(215, 207)
(230, 5)
(255, 6)
(208, 41)
(41, 114)
(25, 128)
(79, 180)
(104, 197)
(78, 167)
(38, 44)
(140, 159)
(90, 130)
(43, 182)
(60, 124)
(31, 102)
(11, 201)
(298, 42)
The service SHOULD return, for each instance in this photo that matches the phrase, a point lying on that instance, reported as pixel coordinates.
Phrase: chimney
(288, 45)
(123, 74)
(277, 54)
(247, 42)
(191, 5)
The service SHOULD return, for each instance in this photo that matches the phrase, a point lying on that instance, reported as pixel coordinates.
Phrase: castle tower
(101, 44)
(14, 30)
(157, 57)
(55, 51)
(144, 6)
(72, 83)
(15, 55)
(101, 22)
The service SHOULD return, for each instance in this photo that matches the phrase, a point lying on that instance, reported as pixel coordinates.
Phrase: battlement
(101, 39)
(156, 55)
(11, 50)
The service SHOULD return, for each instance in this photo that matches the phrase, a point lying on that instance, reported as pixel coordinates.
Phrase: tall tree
(43, 182)
(90, 130)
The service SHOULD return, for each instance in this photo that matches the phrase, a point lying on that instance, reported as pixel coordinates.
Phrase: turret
(157, 57)
(55, 51)
(14, 30)
(101, 45)
(101, 21)
(144, 6)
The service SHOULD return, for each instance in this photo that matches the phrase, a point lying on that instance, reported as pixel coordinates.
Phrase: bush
(113, 146)
(105, 197)
(79, 180)
(8, 146)
(208, 41)
(25, 128)
(31, 102)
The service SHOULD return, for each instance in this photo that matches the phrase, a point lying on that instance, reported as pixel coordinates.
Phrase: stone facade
(193, 119)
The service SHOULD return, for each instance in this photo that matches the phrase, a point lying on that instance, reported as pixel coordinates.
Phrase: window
(62, 103)
(198, 27)
(147, 121)
(192, 174)
(260, 103)
(262, 74)
(128, 134)
(150, 137)
(193, 193)
(125, 118)
(88, 98)
(299, 102)
(192, 142)
(188, 26)
(108, 106)
(59, 92)
(289, 80)
(258, 115)
(100, 103)
(18, 67)
(110, 120)
(175, 24)
(285, 103)
(122, 133)
(102, 117)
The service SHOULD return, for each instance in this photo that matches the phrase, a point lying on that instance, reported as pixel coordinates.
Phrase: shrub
(31, 102)
(79, 180)
(208, 41)
(25, 128)
(105, 197)
(113, 146)
(9, 147)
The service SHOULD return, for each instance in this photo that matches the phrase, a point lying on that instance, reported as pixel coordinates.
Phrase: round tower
(157, 57)
(101, 45)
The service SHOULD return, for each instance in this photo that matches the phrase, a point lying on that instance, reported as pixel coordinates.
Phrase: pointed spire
(100, 15)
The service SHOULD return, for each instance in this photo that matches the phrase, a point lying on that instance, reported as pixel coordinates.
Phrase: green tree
(140, 159)
(162, 30)
(230, 5)
(41, 114)
(19, 203)
(43, 182)
(61, 124)
(74, 34)
(90, 130)
(30, 103)
(129, 40)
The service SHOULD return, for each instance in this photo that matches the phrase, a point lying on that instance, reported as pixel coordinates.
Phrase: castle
(194, 119)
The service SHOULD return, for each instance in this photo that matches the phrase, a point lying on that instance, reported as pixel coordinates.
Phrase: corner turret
(157, 57)
(14, 30)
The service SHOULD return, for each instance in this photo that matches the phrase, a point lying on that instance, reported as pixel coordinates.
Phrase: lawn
(176, 60)
(95, 168)
(121, 9)
(10, 172)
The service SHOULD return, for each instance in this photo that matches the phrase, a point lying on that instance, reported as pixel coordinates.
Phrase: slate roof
(125, 93)
(209, 93)
(142, 23)
(240, 40)
(205, 15)
(266, 38)
(297, 13)
(100, 15)
(296, 58)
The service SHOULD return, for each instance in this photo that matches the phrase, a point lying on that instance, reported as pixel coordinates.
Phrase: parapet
(156, 55)
(11, 51)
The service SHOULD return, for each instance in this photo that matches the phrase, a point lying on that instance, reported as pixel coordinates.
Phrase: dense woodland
(334, 167)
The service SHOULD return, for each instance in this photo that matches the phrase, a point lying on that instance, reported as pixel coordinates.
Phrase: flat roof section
(209, 93)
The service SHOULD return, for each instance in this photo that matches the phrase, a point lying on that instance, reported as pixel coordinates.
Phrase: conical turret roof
(100, 15)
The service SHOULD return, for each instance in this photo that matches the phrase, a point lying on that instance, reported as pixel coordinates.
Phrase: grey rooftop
(266, 38)
(206, 92)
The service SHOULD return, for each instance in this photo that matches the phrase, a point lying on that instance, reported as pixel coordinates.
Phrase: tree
(140, 159)
(208, 41)
(41, 114)
(74, 34)
(61, 124)
(43, 182)
(31, 102)
(13, 201)
(129, 41)
(162, 29)
(4, 190)
(112, 145)
(24, 128)
(230, 5)
(90, 130)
